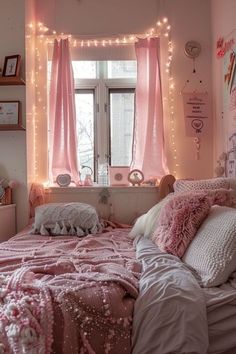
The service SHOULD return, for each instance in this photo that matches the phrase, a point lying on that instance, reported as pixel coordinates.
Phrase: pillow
(179, 221)
(204, 184)
(223, 197)
(145, 225)
(66, 219)
(212, 253)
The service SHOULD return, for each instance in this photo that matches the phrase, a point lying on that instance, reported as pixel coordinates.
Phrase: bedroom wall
(223, 22)
(13, 144)
(190, 19)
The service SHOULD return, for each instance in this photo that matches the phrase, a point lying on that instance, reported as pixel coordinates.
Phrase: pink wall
(223, 22)
(191, 20)
(13, 144)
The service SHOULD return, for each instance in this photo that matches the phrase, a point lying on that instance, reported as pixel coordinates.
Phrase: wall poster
(196, 113)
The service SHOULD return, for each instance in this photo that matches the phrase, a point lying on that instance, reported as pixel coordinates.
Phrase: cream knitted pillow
(66, 219)
(212, 253)
(183, 185)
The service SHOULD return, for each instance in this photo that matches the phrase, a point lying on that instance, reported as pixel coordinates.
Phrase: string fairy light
(161, 29)
(46, 36)
(172, 111)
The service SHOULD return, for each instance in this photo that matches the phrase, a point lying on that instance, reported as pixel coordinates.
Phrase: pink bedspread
(93, 283)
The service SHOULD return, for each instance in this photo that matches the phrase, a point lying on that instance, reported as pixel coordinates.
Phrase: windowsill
(97, 188)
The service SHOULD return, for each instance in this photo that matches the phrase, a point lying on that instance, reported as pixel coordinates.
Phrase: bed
(108, 292)
(175, 311)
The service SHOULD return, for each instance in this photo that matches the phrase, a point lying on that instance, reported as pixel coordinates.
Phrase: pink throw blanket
(25, 315)
(93, 283)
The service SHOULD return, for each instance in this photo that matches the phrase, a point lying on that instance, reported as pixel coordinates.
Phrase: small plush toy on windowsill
(6, 190)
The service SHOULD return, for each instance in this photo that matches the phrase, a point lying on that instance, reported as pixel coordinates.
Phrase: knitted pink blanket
(93, 284)
(25, 315)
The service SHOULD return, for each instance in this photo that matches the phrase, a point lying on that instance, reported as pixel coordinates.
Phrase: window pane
(84, 101)
(122, 69)
(121, 127)
(84, 69)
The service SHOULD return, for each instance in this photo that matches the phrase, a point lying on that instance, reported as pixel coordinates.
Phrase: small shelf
(15, 80)
(12, 127)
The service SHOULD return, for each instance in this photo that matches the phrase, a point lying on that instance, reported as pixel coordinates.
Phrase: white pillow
(66, 219)
(183, 185)
(145, 225)
(212, 253)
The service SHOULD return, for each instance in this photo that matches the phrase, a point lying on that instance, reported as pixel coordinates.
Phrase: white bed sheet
(173, 314)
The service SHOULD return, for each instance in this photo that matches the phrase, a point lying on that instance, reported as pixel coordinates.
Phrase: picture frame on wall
(10, 118)
(11, 66)
(118, 175)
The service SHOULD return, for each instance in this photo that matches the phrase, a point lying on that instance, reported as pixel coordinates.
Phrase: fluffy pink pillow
(179, 221)
(222, 197)
(181, 217)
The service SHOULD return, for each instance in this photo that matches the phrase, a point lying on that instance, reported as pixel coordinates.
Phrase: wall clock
(192, 49)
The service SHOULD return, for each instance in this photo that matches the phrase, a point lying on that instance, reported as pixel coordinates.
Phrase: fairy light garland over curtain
(44, 38)
(148, 144)
(62, 115)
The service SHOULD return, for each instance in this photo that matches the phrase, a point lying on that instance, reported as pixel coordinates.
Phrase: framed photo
(10, 115)
(11, 66)
(118, 175)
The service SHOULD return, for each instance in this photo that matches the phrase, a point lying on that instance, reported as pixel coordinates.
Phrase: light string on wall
(173, 125)
(161, 29)
(36, 79)
(31, 112)
(44, 37)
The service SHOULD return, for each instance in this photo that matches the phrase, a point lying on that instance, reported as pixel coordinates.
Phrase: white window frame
(101, 87)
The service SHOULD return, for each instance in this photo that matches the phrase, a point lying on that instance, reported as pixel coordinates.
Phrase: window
(84, 69)
(121, 113)
(104, 95)
(84, 103)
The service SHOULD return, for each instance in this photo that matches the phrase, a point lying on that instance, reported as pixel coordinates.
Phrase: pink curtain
(148, 144)
(62, 114)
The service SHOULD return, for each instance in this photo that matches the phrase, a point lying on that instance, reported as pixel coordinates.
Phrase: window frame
(93, 92)
(102, 87)
(115, 90)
